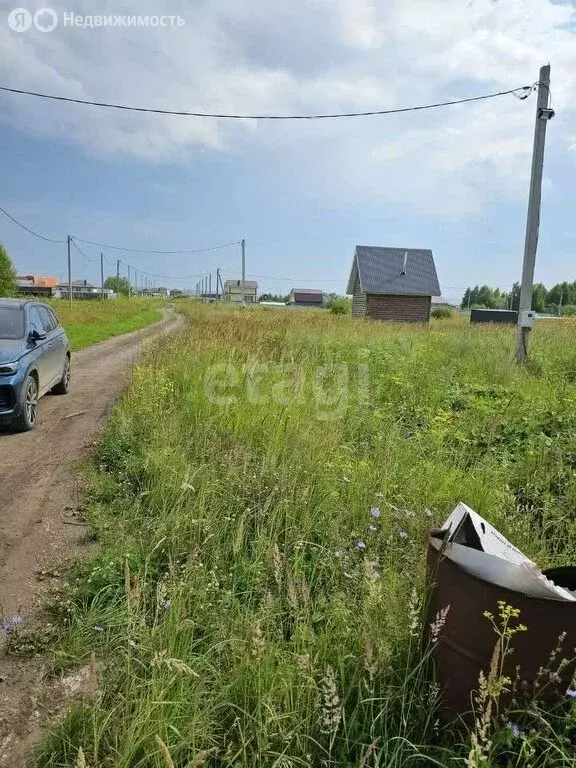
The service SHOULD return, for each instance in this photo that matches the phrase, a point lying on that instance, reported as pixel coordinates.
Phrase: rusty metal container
(466, 641)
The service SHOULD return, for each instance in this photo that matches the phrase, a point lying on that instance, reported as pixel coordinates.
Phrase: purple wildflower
(514, 728)
(6, 626)
(17, 620)
(360, 545)
(571, 693)
(403, 534)
(375, 511)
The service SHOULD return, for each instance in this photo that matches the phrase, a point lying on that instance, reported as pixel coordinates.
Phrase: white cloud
(308, 56)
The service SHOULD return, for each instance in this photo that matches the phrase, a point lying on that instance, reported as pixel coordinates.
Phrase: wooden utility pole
(69, 272)
(102, 272)
(243, 271)
(525, 315)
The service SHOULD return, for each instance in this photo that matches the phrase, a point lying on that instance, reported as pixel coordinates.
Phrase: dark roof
(313, 291)
(381, 271)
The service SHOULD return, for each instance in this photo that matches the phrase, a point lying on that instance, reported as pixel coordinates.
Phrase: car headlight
(8, 369)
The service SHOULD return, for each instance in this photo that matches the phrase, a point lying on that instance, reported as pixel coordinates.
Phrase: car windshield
(11, 323)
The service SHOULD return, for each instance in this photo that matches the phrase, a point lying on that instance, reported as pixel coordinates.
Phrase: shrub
(441, 313)
(340, 306)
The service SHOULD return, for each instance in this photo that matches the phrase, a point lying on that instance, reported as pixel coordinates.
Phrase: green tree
(539, 297)
(7, 274)
(119, 285)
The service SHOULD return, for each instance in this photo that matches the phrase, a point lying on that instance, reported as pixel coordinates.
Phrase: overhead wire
(527, 89)
(31, 231)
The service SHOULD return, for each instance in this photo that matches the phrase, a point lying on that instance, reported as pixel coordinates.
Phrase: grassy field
(88, 322)
(262, 497)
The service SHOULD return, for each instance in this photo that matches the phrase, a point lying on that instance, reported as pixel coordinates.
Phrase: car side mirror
(36, 335)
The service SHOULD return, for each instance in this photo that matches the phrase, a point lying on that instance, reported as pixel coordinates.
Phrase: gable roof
(381, 271)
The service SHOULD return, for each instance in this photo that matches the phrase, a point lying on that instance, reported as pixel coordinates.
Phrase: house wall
(358, 301)
(236, 294)
(398, 309)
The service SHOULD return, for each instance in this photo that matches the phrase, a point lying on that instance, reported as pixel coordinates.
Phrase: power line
(165, 253)
(521, 92)
(31, 231)
(80, 251)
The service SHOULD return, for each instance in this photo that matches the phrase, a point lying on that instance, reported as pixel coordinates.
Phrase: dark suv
(34, 360)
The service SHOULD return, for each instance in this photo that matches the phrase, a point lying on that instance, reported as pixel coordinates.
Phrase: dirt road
(38, 489)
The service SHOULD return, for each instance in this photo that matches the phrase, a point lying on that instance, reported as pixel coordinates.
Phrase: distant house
(82, 289)
(234, 291)
(440, 301)
(306, 297)
(393, 284)
(36, 285)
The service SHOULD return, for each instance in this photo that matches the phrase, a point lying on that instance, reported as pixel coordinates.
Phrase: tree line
(558, 300)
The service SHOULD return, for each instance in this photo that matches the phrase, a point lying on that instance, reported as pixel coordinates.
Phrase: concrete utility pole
(129, 286)
(102, 272)
(243, 271)
(218, 284)
(210, 285)
(69, 271)
(525, 315)
(117, 277)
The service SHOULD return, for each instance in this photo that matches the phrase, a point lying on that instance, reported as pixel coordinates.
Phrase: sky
(303, 193)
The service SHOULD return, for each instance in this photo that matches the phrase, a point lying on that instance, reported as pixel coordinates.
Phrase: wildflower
(428, 513)
(331, 708)
(409, 513)
(360, 546)
(438, 623)
(379, 494)
(167, 605)
(338, 553)
(373, 528)
(571, 693)
(514, 728)
(17, 620)
(403, 534)
(98, 629)
(375, 511)
(132, 644)
(346, 479)
(6, 627)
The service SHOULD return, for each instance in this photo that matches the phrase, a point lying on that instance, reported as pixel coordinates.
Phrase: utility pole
(117, 277)
(102, 272)
(210, 286)
(560, 304)
(69, 272)
(218, 284)
(129, 286)
(243, 271)
(525, 315)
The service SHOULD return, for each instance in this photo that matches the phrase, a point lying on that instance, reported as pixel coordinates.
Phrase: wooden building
(393, 284)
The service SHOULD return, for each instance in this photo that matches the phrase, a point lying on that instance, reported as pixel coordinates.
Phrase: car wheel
(28, 416)
(64, 384)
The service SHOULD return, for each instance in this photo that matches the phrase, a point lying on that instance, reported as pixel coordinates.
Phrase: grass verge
(261, 496)
(88, 322)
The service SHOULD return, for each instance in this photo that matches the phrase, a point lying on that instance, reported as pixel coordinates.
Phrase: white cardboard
(500, 562)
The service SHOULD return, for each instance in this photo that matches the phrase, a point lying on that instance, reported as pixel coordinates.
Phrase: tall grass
(262, 497)
(87, 322)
